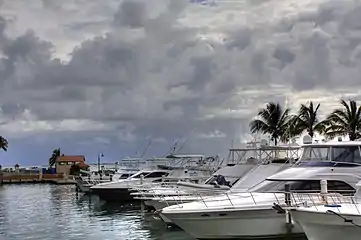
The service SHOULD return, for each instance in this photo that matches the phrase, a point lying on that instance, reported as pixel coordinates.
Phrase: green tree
(3, 144)
(54, 156)
(274, 121)
(306, 120)
(345, 121)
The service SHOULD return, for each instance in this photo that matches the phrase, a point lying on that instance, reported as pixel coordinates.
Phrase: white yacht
(240, 215)
(155, 198)
(179, 168)
(253, 165)
(88, 179)
(337, 218)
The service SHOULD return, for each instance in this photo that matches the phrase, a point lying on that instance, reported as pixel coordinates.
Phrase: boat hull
(245, 224)
(155, 204)
(321, 226)
(114, 195)
(84, 188)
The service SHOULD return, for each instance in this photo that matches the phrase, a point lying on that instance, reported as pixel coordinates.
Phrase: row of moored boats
(260, 192)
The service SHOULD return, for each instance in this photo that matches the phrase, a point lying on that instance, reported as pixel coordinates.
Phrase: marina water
(33, 212)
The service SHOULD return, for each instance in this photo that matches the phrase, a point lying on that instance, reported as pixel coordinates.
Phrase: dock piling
(289, 223)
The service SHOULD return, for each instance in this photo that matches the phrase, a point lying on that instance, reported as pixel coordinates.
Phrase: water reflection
(55, 212)
(47, 212)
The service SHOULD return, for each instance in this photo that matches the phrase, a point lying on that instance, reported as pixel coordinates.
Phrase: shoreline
(39, 178)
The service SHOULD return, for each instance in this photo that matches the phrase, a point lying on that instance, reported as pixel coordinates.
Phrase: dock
(19, 178)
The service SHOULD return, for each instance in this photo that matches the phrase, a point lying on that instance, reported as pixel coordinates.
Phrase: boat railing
(334, 200)
(90, 180)
(211, 198)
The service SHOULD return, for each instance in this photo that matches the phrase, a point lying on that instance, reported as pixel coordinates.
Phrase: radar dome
(307, 139)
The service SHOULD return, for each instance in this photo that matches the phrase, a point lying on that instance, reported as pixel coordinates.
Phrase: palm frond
(344, 121)
(3, 144)
(346, 106)
(258, 126)
(273, 121)
(339, 116)
(307, 119)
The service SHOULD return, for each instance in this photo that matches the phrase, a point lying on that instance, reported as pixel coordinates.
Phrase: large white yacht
(179, 168)
(248, 167)
(158, 197)
(240, 215)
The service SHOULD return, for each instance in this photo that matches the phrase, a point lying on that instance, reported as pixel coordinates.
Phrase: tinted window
(346, 154)
(156, 174)
(124, 176)
(315, 186)
(315, 154)
(143, 173)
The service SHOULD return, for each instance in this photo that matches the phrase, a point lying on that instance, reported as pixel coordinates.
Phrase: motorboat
(240, 215)
(87, 179)
(222, 180)
(252, 166)
(337, 218)
(183, 168)
(119, 190)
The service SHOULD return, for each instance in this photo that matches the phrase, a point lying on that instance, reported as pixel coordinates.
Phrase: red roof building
(64, 163)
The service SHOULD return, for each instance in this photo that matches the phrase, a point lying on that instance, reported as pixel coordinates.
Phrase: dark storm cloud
(131, 13)
(240, 39)
(151, 75)
(11, 109)
(2, 27)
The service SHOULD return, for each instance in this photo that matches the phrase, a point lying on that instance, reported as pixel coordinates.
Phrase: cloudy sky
(112, 75)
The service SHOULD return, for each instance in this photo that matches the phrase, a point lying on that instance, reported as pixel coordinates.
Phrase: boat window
(151, 174)
(265, 186)
(137, 175)
(304, 186)
(219, 180)
(124, 176)
(156, 175)
(346, 154)
(315, 154)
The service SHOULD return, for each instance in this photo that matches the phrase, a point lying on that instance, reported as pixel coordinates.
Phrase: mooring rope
(345, 219)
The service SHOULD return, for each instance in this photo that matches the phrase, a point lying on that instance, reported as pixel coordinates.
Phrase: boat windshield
(155, 174)
(302, 186)
(218, 180)
(125, 175)
(345, 154)
(316, 154)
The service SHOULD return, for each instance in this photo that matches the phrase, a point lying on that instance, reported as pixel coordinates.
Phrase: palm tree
(3, 144)
(344, 121)
(52, 159)
(274, 121)
(306, 120)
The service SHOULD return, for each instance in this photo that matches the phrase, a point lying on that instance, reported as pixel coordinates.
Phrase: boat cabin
(336, 154)
(337, 162)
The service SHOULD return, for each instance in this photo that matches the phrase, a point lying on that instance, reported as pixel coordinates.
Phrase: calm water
(55, 212)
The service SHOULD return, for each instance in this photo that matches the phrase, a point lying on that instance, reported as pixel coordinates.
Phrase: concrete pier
(18, 178)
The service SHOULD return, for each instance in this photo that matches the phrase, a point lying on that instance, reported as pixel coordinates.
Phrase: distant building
(64, 163)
